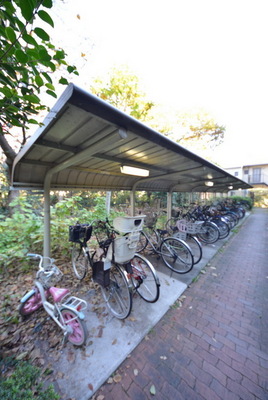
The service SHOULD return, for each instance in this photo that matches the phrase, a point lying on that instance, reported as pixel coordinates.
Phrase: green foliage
(121, 89)
(24, 384)
(246, 201)
(23, 232)
(20, 232)
(260, 196)
(197, 131)
(27, 61)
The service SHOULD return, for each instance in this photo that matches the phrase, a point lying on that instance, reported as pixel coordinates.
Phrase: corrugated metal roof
(84, 141)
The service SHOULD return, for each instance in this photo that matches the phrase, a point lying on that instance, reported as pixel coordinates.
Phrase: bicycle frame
(155, 245)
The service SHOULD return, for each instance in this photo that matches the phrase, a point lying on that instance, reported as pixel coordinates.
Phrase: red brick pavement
(215, 344)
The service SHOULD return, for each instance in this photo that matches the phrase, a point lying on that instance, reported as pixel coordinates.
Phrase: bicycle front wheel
(171, 225)
(117, 294)
(144, 279)
(77, 327)
(30, 303)
(195, 246)
(177, 255)
(79, 261)
(209, 233)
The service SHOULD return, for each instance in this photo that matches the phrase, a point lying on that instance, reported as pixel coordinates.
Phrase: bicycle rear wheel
(142, 243)
(144, 279)
(79, 261)
(177, 255)
(78, 334)
(117, 294)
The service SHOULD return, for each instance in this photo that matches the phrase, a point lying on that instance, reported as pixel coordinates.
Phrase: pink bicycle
(64, 309)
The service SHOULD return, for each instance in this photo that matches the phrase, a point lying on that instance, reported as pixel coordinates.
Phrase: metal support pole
(169, 205)
(47, 246)
(132, 203)
(108, 202)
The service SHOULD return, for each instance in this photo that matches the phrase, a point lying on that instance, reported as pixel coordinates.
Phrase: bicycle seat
(58, 293)
(162, 231)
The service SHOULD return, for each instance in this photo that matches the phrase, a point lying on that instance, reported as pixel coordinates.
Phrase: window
(256, 175)
(246, 171)
(236, 173)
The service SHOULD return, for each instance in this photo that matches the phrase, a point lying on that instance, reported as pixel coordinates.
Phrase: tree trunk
(10, 157)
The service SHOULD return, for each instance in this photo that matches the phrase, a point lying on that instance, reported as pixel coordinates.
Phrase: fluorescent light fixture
(126, 169)
(209, 183)
(122, 133)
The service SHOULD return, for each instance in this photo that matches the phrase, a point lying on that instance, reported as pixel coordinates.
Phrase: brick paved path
(215, 344)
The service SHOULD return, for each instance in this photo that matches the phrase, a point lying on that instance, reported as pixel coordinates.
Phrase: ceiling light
(209, 183)
(126, 169)
(122, 132)
(230, 187)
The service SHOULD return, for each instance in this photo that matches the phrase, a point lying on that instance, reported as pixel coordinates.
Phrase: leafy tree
(121, 89)
(28, 60)
(197, 131)
(201, 126)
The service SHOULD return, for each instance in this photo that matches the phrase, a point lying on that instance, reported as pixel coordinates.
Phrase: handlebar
(43, 268)
(46, 274)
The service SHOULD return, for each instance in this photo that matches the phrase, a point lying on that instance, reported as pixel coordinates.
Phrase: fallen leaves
(153, 390)
(115, 379)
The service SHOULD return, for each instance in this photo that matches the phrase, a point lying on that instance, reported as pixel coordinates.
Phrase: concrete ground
(212, 344)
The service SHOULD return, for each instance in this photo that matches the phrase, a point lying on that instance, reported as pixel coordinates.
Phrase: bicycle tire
(31, 304)
(79, 261)
(171, 225)
(144, 279)
(142, 243)
(223, 228)
(229, 220)
(209, 233)
(117, 295)
(78, 336)
(195, 246)
(176, 255)
(233, 216)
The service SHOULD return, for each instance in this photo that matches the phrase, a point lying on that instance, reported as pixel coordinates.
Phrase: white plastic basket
(181, 235)
(124, 248)
(194, 227)
(182, 225)
(128, 224)
(189, 227)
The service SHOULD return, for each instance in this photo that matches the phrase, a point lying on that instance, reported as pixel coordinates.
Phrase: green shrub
(23, 232)
(24, 384)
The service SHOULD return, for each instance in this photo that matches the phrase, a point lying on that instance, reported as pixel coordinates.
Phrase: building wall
(256, 175)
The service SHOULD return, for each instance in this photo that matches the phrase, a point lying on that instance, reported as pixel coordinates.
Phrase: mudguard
(27, 296)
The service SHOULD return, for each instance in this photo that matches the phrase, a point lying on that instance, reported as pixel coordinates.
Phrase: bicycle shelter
(85, 143)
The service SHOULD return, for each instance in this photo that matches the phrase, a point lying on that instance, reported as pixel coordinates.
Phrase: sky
(188, 54)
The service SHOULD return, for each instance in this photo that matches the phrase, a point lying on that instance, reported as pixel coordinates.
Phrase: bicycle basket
(48, 279)
(150, 221)
(100, 274)
(80, 231)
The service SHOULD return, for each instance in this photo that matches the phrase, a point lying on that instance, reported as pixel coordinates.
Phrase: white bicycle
(64, 309)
